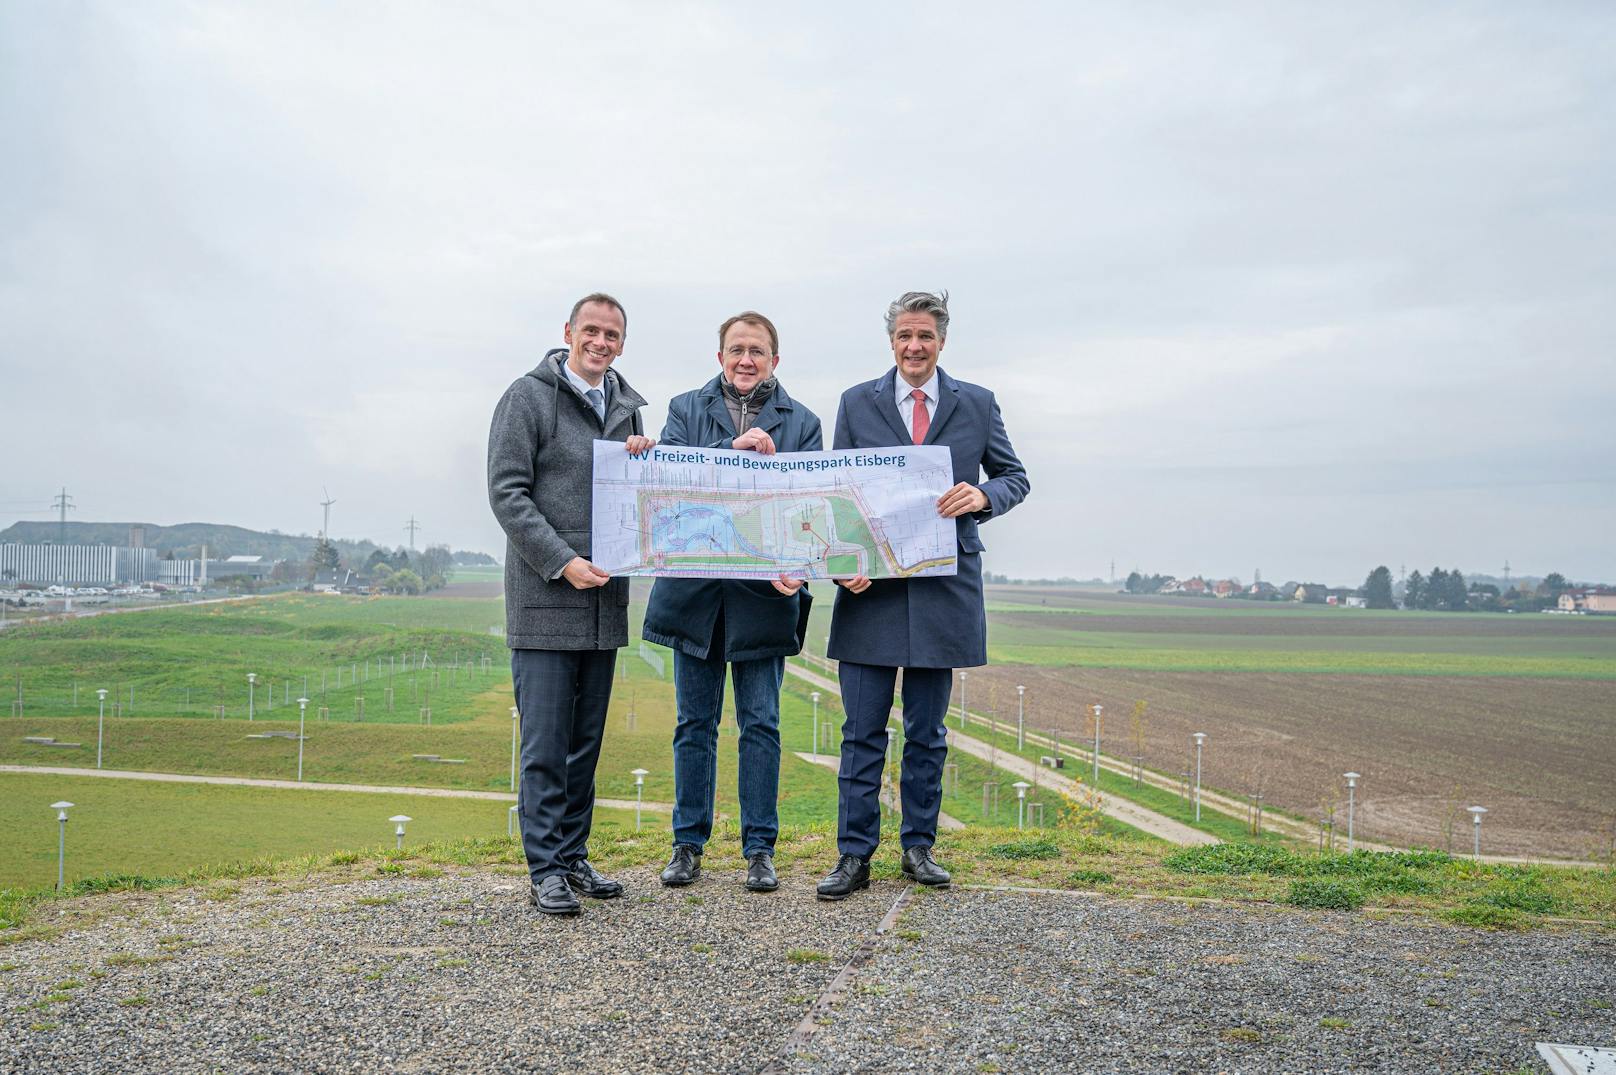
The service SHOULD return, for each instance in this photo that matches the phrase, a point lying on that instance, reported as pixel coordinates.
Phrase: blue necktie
(597, 401)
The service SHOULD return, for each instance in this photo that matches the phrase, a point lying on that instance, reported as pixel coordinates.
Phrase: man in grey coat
(565, 618)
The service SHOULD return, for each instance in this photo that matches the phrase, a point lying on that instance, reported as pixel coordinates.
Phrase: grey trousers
(562, 697)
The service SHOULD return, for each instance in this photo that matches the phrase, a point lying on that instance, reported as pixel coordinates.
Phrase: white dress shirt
(906, 404)
(580, 384)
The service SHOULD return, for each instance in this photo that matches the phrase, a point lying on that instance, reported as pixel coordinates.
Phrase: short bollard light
(1200, 739)
(400, 820)
(302, 713)
(1097, 708)
(1021, 717)
(962, 700)
(639, 794)
(510, 819)
(1475, 815)
(252, 683)
(100, 721)
(1352, 804)
(516, 727)
(61, 809)
(815, 696)
(1021, 787)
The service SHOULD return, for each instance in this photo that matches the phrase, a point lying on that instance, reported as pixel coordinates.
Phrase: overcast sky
(1266, 287)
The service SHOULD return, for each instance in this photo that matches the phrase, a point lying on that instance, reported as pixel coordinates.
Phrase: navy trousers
(867, 701)
(561, 696)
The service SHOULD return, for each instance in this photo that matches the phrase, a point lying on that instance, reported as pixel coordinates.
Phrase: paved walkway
(458, 974)
(310, 785)
(833, 762)
(1128, 813)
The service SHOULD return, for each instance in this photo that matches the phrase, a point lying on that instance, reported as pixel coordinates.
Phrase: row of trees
(1446, 591)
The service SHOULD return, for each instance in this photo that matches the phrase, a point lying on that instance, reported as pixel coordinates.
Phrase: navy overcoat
(935, 622)
(759, 621)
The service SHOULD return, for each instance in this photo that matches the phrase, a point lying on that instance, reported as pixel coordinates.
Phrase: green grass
(189, 661)
(122, 827)
(1120, 866)
(1072, 632)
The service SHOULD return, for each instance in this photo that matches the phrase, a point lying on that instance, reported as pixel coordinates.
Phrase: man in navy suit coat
(926, 626)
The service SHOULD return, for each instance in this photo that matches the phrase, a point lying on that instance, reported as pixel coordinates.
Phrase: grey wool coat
(540, 485)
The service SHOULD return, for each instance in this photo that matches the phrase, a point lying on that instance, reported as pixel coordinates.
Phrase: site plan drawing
(715, 513)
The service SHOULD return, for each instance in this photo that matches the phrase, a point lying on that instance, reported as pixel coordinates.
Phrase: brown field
(1540, 754)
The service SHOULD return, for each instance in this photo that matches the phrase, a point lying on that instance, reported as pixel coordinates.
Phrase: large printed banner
(716, 513)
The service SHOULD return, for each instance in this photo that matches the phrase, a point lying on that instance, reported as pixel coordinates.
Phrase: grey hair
(920, 302)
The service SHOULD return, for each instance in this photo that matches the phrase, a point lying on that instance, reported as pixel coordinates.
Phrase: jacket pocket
(557, 594)
(970, 543)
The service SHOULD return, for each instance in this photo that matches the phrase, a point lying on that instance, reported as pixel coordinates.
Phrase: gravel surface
(456, 973)
(977, 981)
(445, 974)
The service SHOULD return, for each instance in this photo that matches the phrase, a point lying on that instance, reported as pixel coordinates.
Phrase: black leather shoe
(552, 895)
(851, 874)
(760, 875)
(586, 881)
(683, 868)
(919, 866)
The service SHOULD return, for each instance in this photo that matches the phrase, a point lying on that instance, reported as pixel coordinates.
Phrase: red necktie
(921, 422)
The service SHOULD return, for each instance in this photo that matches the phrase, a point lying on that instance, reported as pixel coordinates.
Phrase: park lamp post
(100, 722)
(302, 712)
(815, 696)
(399, 820)
(1021, 787)
(1475, 815)
(1021, 717)
(61, 809)
(1352, 805)
(252, 681)
(1097, 708)
(639, 794)
(516, 726)
(962, 700)
(1200, 739)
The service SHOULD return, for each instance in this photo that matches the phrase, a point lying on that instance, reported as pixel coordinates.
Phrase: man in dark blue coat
(926, 626)
(751, 626)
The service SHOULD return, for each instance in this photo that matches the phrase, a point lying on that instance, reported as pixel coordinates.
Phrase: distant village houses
(1599, 600)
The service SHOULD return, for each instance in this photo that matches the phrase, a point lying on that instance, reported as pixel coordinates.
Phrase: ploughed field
(1437, 711)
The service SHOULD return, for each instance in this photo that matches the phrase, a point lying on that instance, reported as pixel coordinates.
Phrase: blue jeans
(699, 692)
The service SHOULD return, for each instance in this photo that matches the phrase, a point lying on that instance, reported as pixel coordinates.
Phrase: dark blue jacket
(936, 621)
(759, 621)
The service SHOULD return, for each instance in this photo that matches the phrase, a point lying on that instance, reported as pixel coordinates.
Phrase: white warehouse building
(77, 565)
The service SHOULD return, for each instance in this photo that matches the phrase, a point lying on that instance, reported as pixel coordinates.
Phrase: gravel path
(977, 981)
(455, 973)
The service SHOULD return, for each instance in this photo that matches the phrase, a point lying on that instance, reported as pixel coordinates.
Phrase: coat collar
(947, 400)
(768, 419)
(620, 397)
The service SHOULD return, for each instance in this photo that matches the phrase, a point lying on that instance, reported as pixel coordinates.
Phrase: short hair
(602, 298)
(920, 302)
(751, 317)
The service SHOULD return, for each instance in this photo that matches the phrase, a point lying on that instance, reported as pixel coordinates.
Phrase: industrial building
(77, 565)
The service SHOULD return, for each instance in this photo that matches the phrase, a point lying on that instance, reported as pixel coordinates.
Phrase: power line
(412, 526)
(65, 503)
